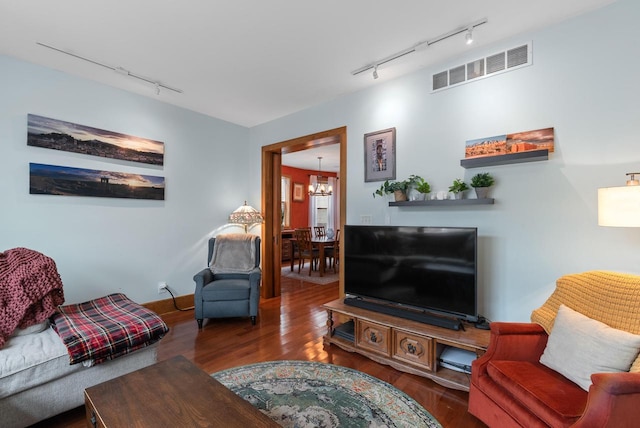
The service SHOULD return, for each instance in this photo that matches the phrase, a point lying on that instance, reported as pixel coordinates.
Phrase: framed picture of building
(380, 155)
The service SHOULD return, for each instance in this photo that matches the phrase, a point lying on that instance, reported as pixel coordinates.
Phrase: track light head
(375, 72)
(469, 36)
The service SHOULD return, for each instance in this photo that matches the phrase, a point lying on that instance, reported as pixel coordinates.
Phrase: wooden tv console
(405, 345)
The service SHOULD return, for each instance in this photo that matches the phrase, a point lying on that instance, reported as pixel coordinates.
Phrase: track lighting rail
(419, 46)
(118, 70)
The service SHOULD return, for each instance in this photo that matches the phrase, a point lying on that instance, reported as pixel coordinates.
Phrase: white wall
(584, 83)
(104, 245)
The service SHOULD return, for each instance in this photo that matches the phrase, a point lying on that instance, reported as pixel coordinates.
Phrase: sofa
(45, 384)
(549, 373)
(49, 352)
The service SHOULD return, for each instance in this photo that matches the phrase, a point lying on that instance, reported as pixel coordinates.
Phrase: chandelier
(320, 189)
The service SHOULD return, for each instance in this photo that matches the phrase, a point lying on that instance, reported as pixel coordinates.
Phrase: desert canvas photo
(505, 144)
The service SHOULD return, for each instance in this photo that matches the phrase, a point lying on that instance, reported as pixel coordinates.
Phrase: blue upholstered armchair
(224, 295)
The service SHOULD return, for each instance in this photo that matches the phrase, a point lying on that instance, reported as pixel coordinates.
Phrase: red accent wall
(300, 210)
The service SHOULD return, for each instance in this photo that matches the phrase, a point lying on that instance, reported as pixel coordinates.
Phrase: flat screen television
(424, 273)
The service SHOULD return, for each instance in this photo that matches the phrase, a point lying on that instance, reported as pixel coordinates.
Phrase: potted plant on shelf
(481, 183)
(458, 188)
(418, 188)
(398, 188)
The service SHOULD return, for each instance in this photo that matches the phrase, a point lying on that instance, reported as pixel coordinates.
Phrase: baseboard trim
(166, 306)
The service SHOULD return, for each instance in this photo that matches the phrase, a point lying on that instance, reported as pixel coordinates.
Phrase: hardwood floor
(288, 327)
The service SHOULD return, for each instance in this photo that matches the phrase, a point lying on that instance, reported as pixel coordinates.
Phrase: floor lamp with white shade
(620, 206)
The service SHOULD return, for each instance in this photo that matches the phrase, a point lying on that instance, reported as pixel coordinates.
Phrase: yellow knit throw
(609, 297)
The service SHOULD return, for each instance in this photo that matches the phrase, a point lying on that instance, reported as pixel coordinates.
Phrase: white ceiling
(308, 159)
(252, 61)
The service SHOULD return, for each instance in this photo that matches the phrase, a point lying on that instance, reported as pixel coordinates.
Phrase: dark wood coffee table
(172, 393)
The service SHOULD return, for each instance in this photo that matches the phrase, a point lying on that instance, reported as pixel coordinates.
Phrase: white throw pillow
(579, 346)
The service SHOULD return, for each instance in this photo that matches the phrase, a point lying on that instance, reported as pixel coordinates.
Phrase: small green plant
(419, 184)
(423, 187)
(390, 187)
(483, 179)
(458, 186)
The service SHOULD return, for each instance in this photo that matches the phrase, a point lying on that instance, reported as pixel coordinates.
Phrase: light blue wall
(544, 223)
(583, 82)
(103, 245)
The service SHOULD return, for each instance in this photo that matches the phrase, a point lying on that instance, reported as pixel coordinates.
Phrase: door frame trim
(271, 232)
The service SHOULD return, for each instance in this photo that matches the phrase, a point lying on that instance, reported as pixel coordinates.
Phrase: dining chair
(333, 252)
(319, 231)
(305, 249)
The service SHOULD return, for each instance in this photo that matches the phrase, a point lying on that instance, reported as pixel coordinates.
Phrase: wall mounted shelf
(443, 202)
(531, 156)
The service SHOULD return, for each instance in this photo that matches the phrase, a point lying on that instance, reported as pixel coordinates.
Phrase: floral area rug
(310, 394)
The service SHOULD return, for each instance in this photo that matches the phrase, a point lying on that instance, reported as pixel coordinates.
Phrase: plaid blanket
(106, 328)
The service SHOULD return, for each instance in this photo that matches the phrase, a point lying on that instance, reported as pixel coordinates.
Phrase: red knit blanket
(30, 290)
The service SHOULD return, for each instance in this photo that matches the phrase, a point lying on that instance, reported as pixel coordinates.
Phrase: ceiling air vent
(495, 63)
(456, 75)
(475, 69)
(517, 56)
(491, 65)
(440, 80)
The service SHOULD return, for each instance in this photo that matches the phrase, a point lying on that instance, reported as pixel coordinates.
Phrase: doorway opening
(272, 199)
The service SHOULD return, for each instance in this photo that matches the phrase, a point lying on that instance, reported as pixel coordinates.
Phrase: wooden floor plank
(289, 327)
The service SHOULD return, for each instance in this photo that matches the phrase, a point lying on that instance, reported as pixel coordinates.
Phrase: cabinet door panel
(413, 349)
(374, 337)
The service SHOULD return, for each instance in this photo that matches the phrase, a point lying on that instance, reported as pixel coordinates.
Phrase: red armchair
(511, 388)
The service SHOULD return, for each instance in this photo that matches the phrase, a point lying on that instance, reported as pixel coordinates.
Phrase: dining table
(321, 244)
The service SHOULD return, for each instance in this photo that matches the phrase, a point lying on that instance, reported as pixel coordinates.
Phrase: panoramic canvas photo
(539, 139)
(67, 181)
(71, 137)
